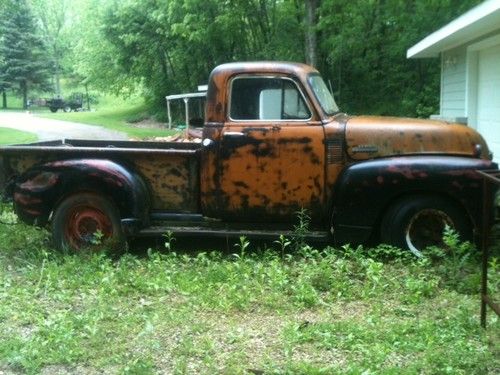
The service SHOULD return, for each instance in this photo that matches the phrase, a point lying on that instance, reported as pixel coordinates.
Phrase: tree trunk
(24, 90)
(57, 81)
(87, 96)
(310, 32)
(4, 99)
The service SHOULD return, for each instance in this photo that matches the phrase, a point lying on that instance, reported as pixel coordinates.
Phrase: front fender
(366, 189)
(38, 191)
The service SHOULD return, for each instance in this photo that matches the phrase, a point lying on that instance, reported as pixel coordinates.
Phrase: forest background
(153, 48)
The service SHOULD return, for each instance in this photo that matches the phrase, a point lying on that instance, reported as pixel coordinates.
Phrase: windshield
(323, 95)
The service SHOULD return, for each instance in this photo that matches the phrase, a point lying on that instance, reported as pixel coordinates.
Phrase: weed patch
(278, 310)
(12, 136)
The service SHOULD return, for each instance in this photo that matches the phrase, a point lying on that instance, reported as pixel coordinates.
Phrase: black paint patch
(240, 184)
(175, 172)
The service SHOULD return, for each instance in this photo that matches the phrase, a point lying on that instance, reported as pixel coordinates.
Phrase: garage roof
(478, 21)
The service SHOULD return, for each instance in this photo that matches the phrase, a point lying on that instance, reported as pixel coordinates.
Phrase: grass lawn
(14, 102)
(12, 136)
(115, 114)
(252, 309)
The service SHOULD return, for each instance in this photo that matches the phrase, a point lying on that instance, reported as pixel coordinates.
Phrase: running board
(166, 216)
(191, 231)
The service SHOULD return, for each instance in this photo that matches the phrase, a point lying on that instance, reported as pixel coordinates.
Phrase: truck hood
(370, 137)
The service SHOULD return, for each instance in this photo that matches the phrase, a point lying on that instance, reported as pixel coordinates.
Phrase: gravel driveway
(49, 129)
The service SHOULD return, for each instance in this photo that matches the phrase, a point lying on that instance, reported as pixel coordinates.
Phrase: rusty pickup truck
(274, 142)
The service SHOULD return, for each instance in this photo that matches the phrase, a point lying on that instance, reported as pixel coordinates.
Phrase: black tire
(53, 109)
(416, 222)
(67, 109)
(79, 217)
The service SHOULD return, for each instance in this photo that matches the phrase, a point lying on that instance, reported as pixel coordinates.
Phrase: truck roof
(263, 66)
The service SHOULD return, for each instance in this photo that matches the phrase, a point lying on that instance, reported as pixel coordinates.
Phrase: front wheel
(87, 221)
(418, 222)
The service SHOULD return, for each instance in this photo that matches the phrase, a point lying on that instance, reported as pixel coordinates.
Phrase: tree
(310, 32)
(365, 45)
(168, 46)
(4, 84)
(22, 50)
(53, 16)
(160, 47)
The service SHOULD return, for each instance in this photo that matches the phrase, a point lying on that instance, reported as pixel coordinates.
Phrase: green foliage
(167, 47)
(169, 240)
(97, 237)
(364, 53)
(351, 311)
(283, 243)
(12, 136)
(23, 58)
(301, 229)
(242, 247)
(54, 16)
(163, 47)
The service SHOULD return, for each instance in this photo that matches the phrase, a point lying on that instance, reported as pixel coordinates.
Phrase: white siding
(453, 83)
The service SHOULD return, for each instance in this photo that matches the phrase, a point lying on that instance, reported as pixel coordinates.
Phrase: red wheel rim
(83, 222)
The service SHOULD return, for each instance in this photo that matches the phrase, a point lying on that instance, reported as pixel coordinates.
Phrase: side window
(266, 99)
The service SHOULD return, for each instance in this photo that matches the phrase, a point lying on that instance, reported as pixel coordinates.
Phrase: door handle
(233, 134)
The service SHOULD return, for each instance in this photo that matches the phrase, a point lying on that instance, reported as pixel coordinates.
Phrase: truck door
(271, 158)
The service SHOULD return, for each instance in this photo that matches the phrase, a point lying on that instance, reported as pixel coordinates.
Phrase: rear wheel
(418, 222)
(53, 109)
(87, 221)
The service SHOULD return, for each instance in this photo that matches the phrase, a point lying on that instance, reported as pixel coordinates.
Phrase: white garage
(469, 48)
(488, 97)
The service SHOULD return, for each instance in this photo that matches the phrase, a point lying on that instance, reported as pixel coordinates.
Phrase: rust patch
(410, 136)
(41, 181)
(173, 182)
(26, 200)
(32, 211)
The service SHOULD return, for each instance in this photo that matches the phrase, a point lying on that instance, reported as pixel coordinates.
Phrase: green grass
(12, 136)
(14, 102)
(167, 310)
(115, 114)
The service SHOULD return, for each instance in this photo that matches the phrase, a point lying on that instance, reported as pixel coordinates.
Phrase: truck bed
(170, 169)
(86, 145)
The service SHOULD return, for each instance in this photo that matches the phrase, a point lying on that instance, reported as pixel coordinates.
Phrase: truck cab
(265, 135)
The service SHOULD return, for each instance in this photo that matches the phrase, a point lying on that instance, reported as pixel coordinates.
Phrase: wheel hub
(426, 229)
(84, 223)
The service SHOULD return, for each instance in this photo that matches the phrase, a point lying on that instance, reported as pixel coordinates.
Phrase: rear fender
(365, 190)
(38, 191)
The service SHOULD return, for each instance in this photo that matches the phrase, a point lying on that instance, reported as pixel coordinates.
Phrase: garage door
(488, 100)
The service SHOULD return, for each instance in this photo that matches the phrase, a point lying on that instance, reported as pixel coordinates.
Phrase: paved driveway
(49, 129)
